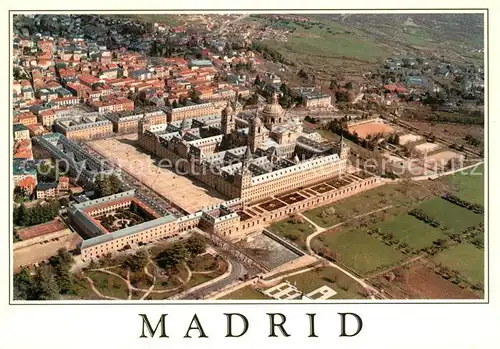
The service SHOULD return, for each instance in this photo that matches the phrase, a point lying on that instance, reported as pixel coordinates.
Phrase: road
(238, 270)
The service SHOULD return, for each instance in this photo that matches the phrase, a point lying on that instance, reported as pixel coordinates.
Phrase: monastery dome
(227, 110)
(273, 109)
(256, 121)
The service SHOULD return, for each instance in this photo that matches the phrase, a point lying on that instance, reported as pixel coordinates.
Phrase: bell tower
(228, 122)
(256, 134)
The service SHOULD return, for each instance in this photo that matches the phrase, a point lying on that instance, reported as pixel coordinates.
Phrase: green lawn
(370, 200)
(359, 251)
(465, 258)
(296, 232)
(450, 215)
(247, 292)
(469, 184)
(346, 287)
(109, 285)
(410, 230)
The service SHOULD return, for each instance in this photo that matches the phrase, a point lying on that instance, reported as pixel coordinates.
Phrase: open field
(427, 147)
(389, 194)
(185, 192)
(371, 128)
(469, 184)
(417, 281)
(294, 231)
(410, 230)
(450, 215)
(453, 132)
(331, 41)
(247, 292)
(443, 157)
(358, 250)
(465, 258)
(345, 287)
(26, 256)
(409, 138)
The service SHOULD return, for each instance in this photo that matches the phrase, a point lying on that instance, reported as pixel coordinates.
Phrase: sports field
(370, 129)
(359, 251)
(465, 258)
(412, 231)
(450, 215)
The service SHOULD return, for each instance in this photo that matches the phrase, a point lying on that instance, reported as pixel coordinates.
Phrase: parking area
(185, 192)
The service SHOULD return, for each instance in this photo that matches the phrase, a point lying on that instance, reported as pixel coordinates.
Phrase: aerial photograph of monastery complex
(248, 156)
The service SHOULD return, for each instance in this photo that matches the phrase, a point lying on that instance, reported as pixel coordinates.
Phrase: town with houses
(187, 157)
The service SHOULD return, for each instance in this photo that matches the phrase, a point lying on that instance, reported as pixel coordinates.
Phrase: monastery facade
(253, 159)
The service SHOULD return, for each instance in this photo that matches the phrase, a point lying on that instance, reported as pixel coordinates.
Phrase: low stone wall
(300, 262)
(38, 239)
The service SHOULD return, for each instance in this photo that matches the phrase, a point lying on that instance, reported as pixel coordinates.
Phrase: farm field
(389, 194)
(358, 250)
(469, 184)
(465, 258)
(410, 230)
(450, 215)
(345, 287)
(417, 281)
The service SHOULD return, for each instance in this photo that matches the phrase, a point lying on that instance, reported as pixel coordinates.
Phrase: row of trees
(36, 215)
(456, 119)
(473, 141)
(49, 280)
(476, 208)
(423, 216)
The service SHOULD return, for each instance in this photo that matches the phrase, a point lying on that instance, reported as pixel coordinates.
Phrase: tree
(19, 193)
(139, 260)
(175, 104)
(303, 75)
(61, 264)
(107, 185)
(195, 96)
(23, 285)
(257, 81)
(333, 85)
(46, 287)
(348, 85)
(195, 245)
(173, 255)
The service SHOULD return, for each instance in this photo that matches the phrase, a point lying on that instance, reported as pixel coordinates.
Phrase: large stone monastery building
(251, 159)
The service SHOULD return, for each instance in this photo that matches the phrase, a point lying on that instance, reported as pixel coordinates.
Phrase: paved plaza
(185, 192)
